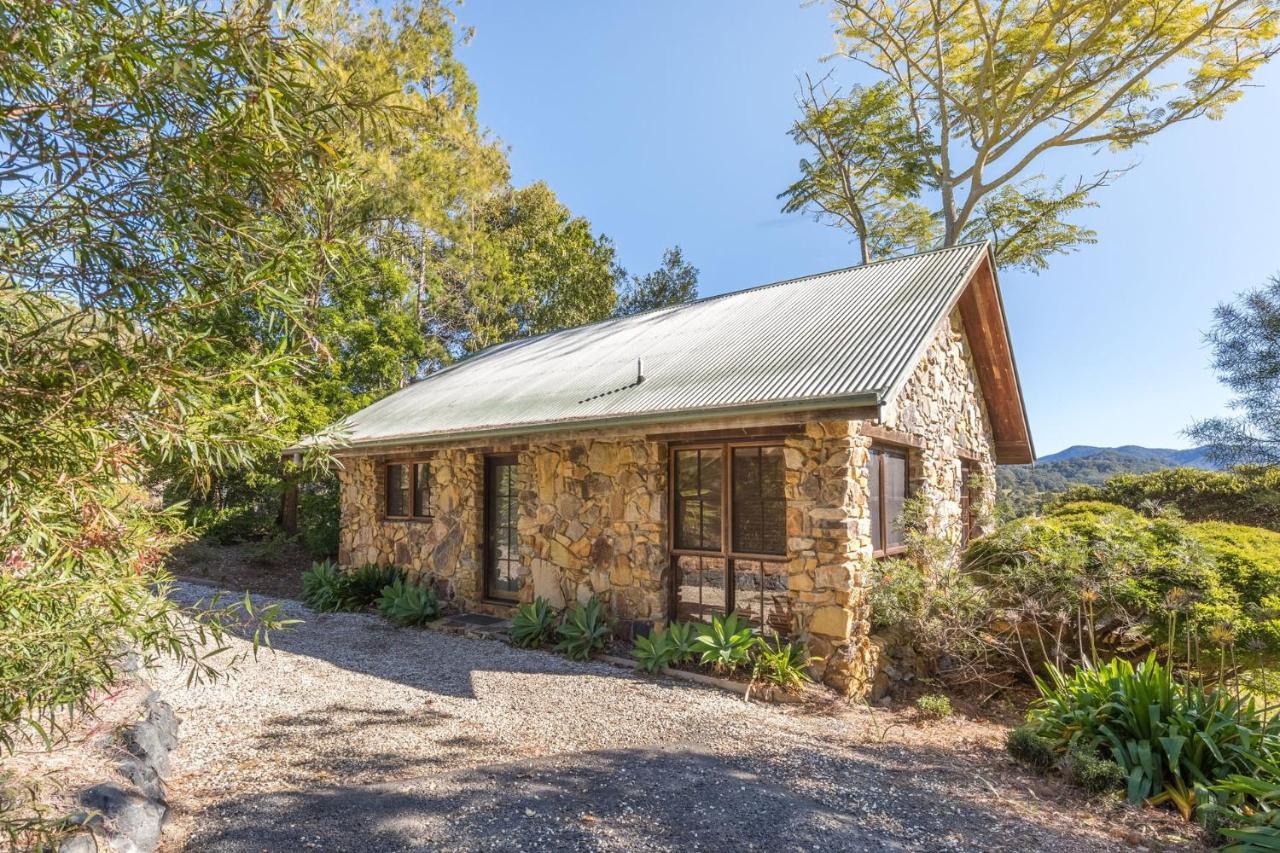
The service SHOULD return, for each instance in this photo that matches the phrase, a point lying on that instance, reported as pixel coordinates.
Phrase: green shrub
(232, 525)
(681, 637)
(1025, 745)
(1123, 581)
(366, 584)
(1173, 739)
(726, 643)
(1247, 495)
(934, 706)
(407, 604)
(1084, 768)
(325, 588)
(584, 630)
(784, 665)
(318, 517)
(653, 652)
(533, 624)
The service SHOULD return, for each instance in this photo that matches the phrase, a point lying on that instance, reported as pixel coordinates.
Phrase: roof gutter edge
(869, 399)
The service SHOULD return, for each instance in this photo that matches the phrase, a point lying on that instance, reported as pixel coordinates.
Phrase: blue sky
(665, 122)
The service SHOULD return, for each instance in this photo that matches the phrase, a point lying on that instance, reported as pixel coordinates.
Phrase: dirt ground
(275, 571)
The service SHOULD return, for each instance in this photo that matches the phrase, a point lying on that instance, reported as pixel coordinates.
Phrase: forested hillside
(1024, 488)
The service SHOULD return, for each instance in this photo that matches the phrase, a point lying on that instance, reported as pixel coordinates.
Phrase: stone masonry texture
(593, 511)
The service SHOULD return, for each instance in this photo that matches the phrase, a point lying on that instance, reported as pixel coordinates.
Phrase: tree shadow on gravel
(428, 660)
(672, 798)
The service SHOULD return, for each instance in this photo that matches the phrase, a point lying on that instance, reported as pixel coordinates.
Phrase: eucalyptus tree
(971, 100)
(151, 153)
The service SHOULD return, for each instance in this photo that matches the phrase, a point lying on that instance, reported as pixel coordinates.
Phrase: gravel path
(355, 735)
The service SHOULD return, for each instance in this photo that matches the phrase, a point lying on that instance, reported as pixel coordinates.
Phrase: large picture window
(729, 532)
(408, 492)
(887, 484)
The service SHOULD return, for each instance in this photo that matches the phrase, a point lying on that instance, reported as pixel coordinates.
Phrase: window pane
(874, 497)
(397, 490)
(421, 489)
(748, 598)
(759, 500)
(698, 499)
(895, 494)
(700, 588)
(777, 611)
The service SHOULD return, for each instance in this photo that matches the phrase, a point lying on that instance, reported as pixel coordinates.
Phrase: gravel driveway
(355, 735)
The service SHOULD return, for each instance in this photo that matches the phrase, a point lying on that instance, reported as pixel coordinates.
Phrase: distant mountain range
(1195, 457)
(1024, 485)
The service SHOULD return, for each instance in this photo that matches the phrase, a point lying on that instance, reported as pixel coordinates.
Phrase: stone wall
(447, 547)
(594, 511)
(941, 406)
(593, 522)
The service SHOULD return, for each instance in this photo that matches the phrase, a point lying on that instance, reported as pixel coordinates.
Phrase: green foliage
(1083, 768)
(725, 644)
(924, 601)
(1246, 357)
(1173, 739)
(533, 624)
(866, 166)
(784, 665)
(1125, 581)
(682, 638)
(365, 584)
(1026, 745)
(408, 604)
(934, 706)
(979, 96)
(318, 517)
(326, 588)
(674, 282)
(584, 630)
(653, 652)
(1250, 806)
(151, 154)
(1027, 489)
(1246, 496)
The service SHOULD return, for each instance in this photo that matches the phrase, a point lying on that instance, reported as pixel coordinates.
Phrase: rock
(830, 621)
(546, 583)
(134, 818)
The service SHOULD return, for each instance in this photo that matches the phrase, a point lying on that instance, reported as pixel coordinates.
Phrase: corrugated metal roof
(842, 337)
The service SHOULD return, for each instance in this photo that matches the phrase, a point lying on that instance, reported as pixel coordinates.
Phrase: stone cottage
(749, 452)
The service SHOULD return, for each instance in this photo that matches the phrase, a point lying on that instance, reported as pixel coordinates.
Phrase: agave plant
(653, 652)
(680, 639)
(366, 583)
(726, 643)
(407, 604)
(584, 630)
(534, 623)
(325, 588)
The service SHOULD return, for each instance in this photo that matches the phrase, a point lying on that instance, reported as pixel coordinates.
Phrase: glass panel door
(501, 540)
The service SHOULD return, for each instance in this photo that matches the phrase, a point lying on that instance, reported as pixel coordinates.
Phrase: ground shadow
(674, 798)
(428, 660)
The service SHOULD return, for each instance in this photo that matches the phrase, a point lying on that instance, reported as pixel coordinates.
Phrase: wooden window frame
(726, 550)
(904, 451)
(411, 470)
(726, 496)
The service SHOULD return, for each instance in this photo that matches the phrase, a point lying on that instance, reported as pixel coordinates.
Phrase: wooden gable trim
(982, 313)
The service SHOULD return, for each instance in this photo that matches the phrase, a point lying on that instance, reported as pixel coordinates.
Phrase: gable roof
(844, 338)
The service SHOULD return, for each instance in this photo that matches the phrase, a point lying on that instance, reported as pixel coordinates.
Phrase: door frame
(488, 560)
